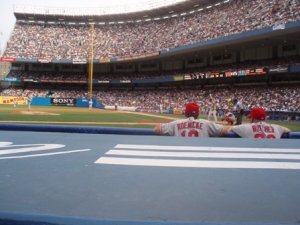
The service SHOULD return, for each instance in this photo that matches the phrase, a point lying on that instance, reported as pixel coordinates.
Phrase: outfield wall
(42, 101)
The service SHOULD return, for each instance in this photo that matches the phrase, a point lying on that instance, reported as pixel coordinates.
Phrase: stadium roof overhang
(185, 8)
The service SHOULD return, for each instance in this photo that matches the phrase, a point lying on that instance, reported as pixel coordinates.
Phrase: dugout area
(80, 178)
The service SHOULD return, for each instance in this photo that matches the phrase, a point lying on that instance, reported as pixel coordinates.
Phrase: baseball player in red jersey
(258, 128)
(191, 126)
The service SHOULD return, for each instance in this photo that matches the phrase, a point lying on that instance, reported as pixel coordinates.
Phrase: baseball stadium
(168, 112)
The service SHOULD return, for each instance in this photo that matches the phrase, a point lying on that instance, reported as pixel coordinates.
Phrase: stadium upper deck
(45, 39)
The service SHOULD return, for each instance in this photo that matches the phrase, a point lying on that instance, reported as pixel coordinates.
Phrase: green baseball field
(95, 117)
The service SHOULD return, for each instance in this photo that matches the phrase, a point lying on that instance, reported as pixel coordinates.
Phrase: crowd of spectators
(117, 40)
(278, 98)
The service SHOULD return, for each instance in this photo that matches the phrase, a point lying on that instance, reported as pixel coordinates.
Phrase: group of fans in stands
(277, 98)
(50, 41)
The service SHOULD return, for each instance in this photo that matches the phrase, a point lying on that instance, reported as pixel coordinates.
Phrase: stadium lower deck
(64, 178)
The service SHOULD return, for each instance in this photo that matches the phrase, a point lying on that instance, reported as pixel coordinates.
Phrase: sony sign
(63, 101)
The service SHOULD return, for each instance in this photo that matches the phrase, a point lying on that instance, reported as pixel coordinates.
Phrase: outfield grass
(96, 117)
(76, 116)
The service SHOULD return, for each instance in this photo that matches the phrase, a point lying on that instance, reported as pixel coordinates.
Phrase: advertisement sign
(44, 60)
(231, 73)
(279, 27)
(9, 100)
(103, 81)
(257, 71)
(79, 61)
(242, 72)
(7, 59)
(178, 78)
(11, 79)
(30, 80)
(125, 81)
(278, 69)
(63, 101)
(104, 60)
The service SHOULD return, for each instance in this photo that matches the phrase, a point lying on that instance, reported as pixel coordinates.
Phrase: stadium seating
(48, 41)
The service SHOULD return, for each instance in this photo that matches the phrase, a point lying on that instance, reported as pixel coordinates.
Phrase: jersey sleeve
(241, 130)
(281, 130)
(168, 128)
(215, 130)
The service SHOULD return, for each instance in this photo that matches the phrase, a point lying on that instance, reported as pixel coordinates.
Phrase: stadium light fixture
(191, 12)
(208, 7)
(165, 17)
(157, 18)
(217, 4)
(226, 1)
(201, 9)
(174, 15)
(182, 14)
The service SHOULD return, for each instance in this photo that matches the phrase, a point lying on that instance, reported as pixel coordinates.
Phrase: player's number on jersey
(189, 133)
(269, 136)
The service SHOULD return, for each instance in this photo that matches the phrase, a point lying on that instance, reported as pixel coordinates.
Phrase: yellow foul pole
(91, 66)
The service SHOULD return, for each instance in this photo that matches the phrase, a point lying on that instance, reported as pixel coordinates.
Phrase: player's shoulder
(204, 121)
(242, 126)
(181, 120)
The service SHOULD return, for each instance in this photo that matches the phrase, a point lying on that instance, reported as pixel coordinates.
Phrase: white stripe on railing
(197, 163)
(204, 155)
(196, 148)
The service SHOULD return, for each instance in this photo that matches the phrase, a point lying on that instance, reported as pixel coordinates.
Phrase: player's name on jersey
(184, 125)
(265, 128)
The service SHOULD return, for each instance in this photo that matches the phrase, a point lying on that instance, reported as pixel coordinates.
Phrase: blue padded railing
(76, 129)
(100, 130)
